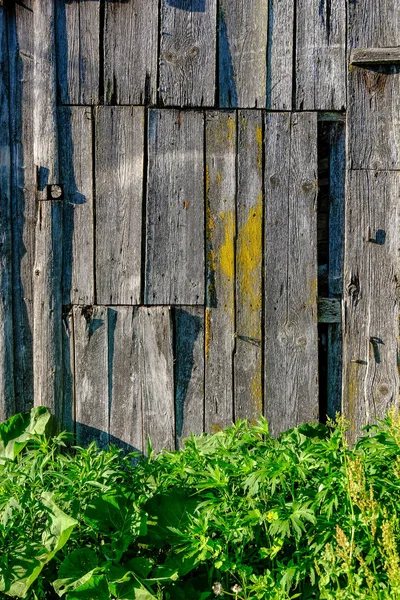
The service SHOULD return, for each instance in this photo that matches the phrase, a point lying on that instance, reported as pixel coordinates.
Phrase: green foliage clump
(236, 514)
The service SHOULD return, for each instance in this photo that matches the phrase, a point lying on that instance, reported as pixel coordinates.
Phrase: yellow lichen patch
(352, 393)
(231, 130)
(259, 137)
(207, 180)
(207, 333)
(256, 389)
(313, 291)
(219, 178)
(227, 250)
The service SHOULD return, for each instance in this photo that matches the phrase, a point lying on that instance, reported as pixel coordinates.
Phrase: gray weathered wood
(248, 275)
(189, 371)
(243, 33)
(68, 413)
(329, 310)
(220, 268)
(91, 374)
(118, 206)
(375, 56)
(78, 57)
(175, 209)
(125, 400)
(371, 300)
(130, 51)
(373, 118)
(7, 397)
(373, 25)
(320, 55)
(157, 377)
(47, 305)
(291, 337)
(188, 52)
(75, 127)
(280, 54)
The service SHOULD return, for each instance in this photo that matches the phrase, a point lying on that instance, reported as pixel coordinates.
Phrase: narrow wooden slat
(249, 210)
(47, 305)
(243, 31)
(291, 338)
(130, 51)
(280, 54)
(220, 268)
(156, 376)
(189, 371)
(124, 345)
(188, 52)
(75, 126)
(7, 397)
(375, 56)
(78, 57)
(118, 209)
(68, 414)
(374, 25)
(320, 55)
(91, 374)
(371, 301)
(175, 209)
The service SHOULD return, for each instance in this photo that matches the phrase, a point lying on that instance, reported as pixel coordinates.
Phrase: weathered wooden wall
(193, 228)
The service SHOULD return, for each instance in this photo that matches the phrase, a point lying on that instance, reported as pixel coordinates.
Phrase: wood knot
(308, 186)
(274, 180)
(383, 389)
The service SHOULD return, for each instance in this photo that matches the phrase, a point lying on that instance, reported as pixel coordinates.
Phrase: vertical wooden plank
(68, 414)
(78, 56)
(156, 376)
(249, 210)
(371, 301)
(189, 371)
(47, 304)
(118, 208)
(91, 374)
(175, 208)
(7, 402)
(130, 51)
(75, 127)
(188, 52)
(242, 43)
(320, 55)
(220, 268)
(124, 343)
(280, 54)
(376, 25)
(291, 337)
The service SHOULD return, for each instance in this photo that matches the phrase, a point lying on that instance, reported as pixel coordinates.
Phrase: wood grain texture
(243, 33)
(188, 52)
(248, 273)
(68, 413)
(47, 305)
(7, 397)
(377, 56)
(175, 208)
(75, 127)
(130, 51)
(280, 54)
(320, 55)
(291, 338)
(371, 300)
(373, 123)
(78, 57)
(220, 268)
(157, 377)
(189, 371)
(118, 207)
(374, 25)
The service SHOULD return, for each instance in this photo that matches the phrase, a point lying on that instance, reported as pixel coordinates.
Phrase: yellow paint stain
(219, 178)
(207, 333)
(231, 130)
(226, 254)
(259, 137)
(313, 291)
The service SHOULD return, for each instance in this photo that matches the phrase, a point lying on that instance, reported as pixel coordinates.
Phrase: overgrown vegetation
(236, 514)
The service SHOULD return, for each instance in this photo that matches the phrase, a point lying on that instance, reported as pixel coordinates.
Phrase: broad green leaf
(16, 431)
(130, 590)
(77, 568)
(96, 588)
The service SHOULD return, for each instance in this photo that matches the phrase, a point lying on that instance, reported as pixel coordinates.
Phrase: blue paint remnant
(269, 53)
(188, 5)
(153, 119)
(42, 178)
(227, 84)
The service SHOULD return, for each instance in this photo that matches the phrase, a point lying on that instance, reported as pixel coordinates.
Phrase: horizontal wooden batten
(375, 56)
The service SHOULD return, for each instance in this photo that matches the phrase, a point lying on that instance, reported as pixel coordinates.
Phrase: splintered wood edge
(375, 56)
(329, 310)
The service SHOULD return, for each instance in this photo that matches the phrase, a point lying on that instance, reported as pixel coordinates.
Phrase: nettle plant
(236, 514)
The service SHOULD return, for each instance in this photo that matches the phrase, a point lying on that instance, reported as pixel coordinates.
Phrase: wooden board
(373, 122)
(375, 56)
(220, 268)
(371, 300)
(188, 52)
(242, 48)
(68, 408)
(280, 54)
(75, 127)
(175, 208)
(291, 338)
(189, 371)
(375, 25)
(248, 275)
(91, 374)
(320, 55)
(130, 51)
(78, 56)
(47, 305)
(118, 206)
(157, 377)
